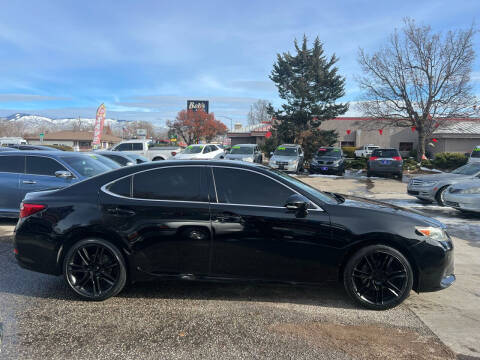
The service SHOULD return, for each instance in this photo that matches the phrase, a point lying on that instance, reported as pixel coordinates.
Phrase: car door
(164, 214)
(256, 237)
(11, 168)
(40, 175)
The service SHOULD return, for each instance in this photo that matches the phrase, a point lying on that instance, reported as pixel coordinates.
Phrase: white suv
(201, 151)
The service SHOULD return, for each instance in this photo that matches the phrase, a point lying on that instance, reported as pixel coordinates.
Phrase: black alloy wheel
(378, 277)
(95, 269)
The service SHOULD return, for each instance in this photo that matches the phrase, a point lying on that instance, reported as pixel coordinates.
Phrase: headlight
(249, 159)
(428, 183)
(314, 162)
(292, 162)
(336, 163)
(432, 232)
(475, 190)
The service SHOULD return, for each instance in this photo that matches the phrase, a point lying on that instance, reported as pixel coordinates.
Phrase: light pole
(229, 118)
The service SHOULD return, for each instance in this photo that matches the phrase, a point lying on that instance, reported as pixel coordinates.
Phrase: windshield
(85, 165)
(329, 152)
(285, 151)
(317, 194)
(139, 159)
(241, 150)
(193, 149)
(475, 153)
(469, 169)
(105, 161)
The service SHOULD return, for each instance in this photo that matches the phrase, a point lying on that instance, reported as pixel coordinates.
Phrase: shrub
(449, 161)
(356, 164)
(410, 164)
(61, 147)
(349, 151)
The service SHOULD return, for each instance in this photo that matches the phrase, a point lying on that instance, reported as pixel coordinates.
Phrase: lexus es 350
(230, 221)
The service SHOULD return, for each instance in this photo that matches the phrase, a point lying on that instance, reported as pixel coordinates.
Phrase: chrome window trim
(318, 208)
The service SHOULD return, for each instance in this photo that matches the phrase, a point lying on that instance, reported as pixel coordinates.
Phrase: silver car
(245, 152)
(433, 187)
(464, 196)
(287, 157)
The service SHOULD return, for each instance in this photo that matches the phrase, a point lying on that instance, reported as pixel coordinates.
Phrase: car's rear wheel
(440, 196)
(95, 269)
(378, 277)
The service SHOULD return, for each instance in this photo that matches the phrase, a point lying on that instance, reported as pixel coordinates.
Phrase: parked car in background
(328, 160)
(22, 172)
(148, 149)
(6, 148)
(201, 151)
(366, 150)
(123, 158)
(6, 141)
(33, 147)
(464, 196)
(104, 160)
(201, 220)
(475, 155)
(287, 157)
(385, 162)
(433, 187)
(245, 152)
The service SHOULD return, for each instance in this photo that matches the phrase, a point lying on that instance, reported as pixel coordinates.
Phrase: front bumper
(422, 192)
(467, 202)
(323, 168)
(288, 167)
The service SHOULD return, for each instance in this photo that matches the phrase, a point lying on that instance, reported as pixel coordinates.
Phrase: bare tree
(259, 112)
(419, 79)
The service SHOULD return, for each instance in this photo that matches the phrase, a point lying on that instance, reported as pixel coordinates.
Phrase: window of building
(170, 183)
(405, 146)
(347, 143)
(84, 144)
(38, 165)
(235, 186)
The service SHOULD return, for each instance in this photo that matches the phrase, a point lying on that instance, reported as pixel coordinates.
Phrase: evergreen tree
(310, 85)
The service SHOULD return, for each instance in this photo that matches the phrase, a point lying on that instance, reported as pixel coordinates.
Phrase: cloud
(30, 98)
(253, 85)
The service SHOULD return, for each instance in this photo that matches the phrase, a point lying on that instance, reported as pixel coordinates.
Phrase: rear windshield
(241, 150)
(475, 153)
(286, 151)
(329, 152)
(385, 153)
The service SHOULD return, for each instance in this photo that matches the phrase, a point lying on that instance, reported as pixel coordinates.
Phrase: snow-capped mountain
(34, 123)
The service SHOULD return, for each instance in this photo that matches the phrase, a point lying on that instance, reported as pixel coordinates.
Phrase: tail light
(30, 209)
(174, 153)
(397, 158)
(373, 157)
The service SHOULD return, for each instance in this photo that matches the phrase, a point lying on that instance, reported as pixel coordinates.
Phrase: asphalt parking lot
(186, 320)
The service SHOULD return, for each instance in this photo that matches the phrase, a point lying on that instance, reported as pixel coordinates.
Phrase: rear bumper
(325, 169)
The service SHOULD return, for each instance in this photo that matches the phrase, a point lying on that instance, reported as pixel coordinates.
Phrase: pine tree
(310, 85)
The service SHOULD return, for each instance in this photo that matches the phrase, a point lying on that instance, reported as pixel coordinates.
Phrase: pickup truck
(366, 150)
(148, 149)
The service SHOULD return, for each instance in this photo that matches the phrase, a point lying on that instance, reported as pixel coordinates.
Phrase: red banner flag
(268, 134)
(380, 131)
(413, 128)
(100, 119)
(349, 131)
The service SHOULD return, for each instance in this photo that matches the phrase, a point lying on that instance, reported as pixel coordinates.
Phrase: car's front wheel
(440, 196)
(378, 277)
(95, 269)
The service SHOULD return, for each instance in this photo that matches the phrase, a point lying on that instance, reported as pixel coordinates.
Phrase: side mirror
(63, 174)
(298, 203)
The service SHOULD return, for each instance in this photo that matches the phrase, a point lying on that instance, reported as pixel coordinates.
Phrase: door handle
(29, 182)
(120, 212)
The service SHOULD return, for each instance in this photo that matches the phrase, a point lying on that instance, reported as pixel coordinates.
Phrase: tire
(439, 195)
(378, 277)
(400, 176)
(95, 269)
(369, 174)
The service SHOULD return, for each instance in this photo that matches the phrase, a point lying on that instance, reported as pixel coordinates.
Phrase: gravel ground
(191, 320)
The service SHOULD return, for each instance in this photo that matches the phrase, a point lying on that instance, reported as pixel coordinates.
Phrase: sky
(144, 59)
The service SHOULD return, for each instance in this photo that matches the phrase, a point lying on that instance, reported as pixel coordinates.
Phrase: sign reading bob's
(194, 105)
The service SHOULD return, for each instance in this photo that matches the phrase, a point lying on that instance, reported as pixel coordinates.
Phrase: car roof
(55, 154)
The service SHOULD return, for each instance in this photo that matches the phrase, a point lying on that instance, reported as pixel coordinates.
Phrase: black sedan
(228, 221)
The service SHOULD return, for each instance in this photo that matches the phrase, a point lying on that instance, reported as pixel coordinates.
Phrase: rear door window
(124, 147)
(170, 183)
(12, 164)
(137, 147)
(39, 165)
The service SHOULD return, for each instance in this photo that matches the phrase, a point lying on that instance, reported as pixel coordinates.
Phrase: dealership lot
(196, 320)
